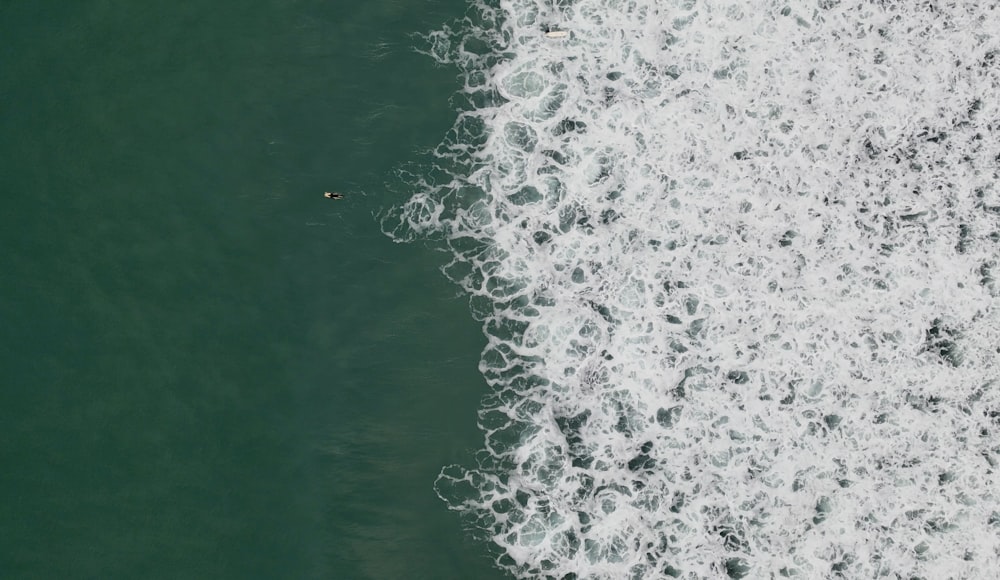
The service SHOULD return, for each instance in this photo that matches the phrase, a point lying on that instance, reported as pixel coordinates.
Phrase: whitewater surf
(736, 264)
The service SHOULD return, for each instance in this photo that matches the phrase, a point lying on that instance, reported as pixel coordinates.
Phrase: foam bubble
(736, 264)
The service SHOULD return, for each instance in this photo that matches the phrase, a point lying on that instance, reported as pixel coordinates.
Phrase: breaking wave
(737, 266)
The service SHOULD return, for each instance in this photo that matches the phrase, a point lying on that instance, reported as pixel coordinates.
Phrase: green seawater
(207, 370)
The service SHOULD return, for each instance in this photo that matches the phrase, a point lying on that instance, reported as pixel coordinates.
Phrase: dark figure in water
(329, 195)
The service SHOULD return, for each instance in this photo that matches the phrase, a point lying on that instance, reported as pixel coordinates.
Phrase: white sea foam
(736, 263)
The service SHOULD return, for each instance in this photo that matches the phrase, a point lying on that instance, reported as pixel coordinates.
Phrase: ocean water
(736, 265)
(207, 370)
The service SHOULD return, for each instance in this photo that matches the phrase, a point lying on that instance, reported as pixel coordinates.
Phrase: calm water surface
(208, 370)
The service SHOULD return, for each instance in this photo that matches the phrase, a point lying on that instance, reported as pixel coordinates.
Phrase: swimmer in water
(329, 195)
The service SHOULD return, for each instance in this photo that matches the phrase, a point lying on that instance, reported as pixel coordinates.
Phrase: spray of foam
(737, 266)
